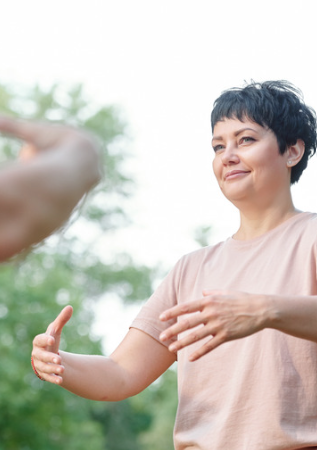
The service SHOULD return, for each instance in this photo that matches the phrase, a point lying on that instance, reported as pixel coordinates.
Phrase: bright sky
(164, 62)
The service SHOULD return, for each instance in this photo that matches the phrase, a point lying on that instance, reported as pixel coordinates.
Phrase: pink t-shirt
(259, 392)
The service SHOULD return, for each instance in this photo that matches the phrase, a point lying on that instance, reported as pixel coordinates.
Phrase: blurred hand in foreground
(38, 192)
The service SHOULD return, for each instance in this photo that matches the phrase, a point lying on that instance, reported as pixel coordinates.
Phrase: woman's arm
(39, 191)
(136, 363)
(227, 315)
(293, 315)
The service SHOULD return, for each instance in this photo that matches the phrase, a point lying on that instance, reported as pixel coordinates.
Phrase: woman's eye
(246, 139)
(218, 147)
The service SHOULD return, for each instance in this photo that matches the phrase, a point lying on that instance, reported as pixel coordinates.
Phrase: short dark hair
(277, 105)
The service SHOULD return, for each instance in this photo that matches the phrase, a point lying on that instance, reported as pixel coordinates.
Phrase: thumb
(56, 327)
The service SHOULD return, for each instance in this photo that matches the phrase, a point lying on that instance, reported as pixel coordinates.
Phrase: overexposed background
(163, 62)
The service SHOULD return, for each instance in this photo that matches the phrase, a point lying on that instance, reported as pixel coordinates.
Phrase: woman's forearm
(134, 365)
(94, 377)
(296, 315)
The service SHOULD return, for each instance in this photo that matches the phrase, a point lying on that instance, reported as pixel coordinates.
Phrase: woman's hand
(46, 360)
(222, 315)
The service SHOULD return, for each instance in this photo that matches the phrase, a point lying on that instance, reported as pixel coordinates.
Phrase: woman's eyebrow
(236, 133)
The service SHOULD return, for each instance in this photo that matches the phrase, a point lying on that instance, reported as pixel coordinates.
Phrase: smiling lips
(235, 173)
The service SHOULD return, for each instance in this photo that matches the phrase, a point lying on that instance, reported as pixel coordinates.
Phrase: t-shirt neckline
(269, 233)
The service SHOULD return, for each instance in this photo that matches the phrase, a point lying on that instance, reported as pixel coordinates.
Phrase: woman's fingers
(47, 364)
(221, 315)
(182, 325)
(49, 372)
(190, 307)
(45, 356)
(55, 379)
(190, 338)
(179, 310)
(210, 345)
(43, 340)
(46, 360)
(47, 368)
(57, 326)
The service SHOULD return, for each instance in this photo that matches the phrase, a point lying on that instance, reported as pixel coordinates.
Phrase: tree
(36, 415)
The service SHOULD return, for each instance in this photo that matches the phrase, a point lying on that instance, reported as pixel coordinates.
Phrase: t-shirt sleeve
(165, 297)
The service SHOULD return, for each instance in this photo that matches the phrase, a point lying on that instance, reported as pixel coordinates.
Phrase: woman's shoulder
(308, 225)
(202, 254)
(305, 221)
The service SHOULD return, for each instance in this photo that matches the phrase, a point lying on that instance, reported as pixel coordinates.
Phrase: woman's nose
(230, 155)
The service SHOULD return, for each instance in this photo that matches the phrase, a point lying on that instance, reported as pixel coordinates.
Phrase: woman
(241, 316)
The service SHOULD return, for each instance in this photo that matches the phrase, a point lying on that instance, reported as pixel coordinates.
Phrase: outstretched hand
(220, 315)
(46, 359)
(57, 166)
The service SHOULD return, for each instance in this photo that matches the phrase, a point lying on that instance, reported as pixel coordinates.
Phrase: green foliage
(36, 415)
(145, 421)
(68, 270)
(202, 235)
(162, 398)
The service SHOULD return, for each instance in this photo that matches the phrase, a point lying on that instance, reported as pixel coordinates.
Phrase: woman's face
(247, 163)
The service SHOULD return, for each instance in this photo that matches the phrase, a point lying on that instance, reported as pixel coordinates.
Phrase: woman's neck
(255, 223)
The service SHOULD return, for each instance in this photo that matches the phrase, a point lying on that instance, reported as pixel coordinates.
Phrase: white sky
(164, 62)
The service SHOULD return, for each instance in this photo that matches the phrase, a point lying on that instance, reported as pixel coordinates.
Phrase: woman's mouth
(232, 174)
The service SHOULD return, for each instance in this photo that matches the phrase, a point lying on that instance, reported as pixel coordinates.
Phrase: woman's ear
(295, 152)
